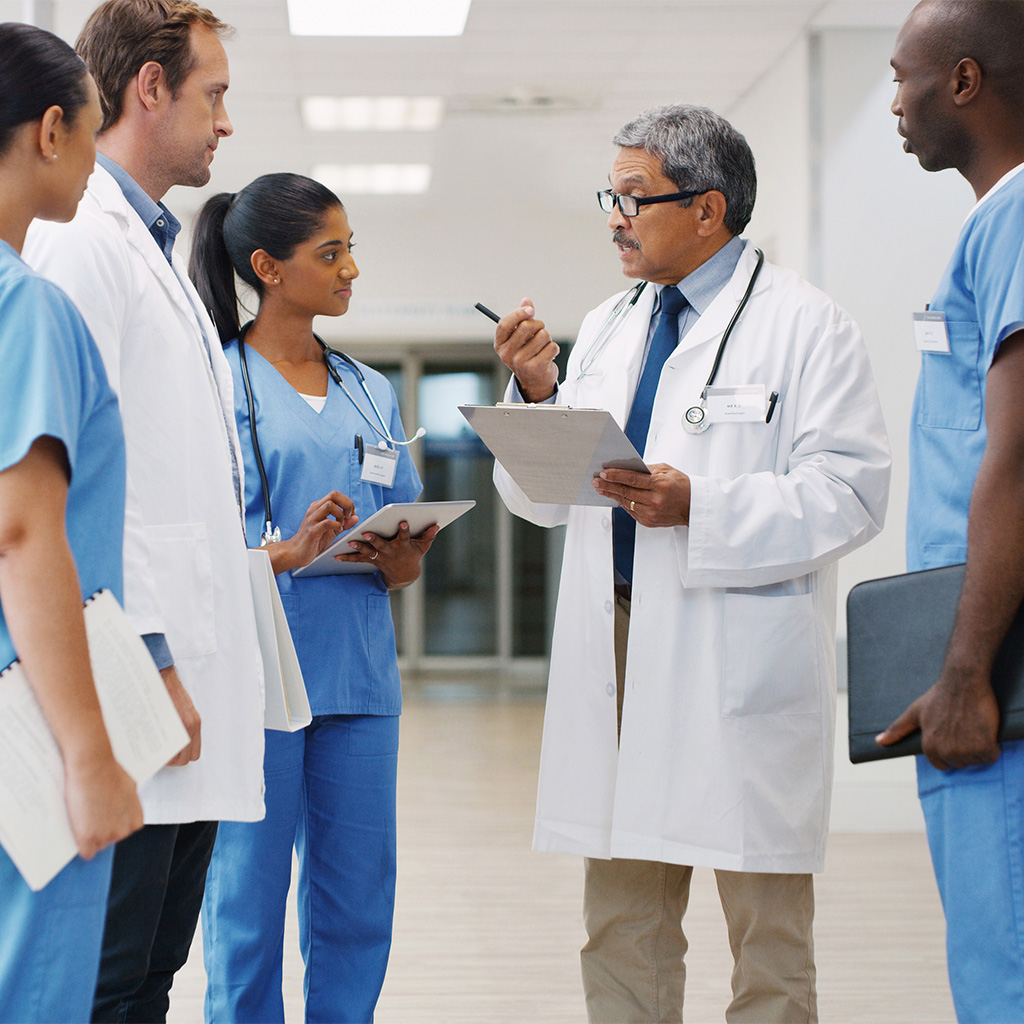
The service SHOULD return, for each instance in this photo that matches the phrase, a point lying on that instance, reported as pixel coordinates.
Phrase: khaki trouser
(632, 964)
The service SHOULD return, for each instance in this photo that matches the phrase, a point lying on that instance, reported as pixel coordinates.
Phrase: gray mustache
(620, 238)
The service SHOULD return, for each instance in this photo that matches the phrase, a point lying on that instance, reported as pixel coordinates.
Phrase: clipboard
(898, 629)
(420, 515)
(141, 721)
(553, 452)
(286, 704)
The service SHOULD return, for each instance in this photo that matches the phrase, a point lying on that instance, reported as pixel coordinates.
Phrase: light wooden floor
(488, 932)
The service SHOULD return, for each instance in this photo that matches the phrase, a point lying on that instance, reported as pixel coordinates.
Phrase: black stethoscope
(272, 533)
(695, 419)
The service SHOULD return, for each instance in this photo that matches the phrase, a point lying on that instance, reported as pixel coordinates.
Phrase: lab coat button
(610, 690)
(608, 607)
(606, 523)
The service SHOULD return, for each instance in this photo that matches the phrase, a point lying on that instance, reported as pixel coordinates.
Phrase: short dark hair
(990, 32)
(276, 212)
(37, 71)
(122, 35)
(698, 149)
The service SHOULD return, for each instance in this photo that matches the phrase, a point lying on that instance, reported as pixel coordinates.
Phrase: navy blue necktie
(663, 344)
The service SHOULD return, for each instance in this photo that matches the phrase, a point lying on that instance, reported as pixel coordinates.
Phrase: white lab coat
(185, 561)
(725, 758)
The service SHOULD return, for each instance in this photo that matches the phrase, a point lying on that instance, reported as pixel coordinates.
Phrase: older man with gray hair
(690, 714)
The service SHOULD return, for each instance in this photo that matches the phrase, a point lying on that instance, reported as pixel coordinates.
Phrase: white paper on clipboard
(553, 452)
(144, 728)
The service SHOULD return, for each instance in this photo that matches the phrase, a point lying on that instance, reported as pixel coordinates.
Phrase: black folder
(898, 629)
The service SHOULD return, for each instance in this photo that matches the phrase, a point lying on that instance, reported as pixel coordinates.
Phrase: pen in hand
(487, 312)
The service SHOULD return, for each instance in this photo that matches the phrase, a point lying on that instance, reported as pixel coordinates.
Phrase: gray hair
(698, 149)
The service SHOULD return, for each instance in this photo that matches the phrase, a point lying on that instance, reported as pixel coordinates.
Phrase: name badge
(379, 466)
(744, 403)
(930, 332)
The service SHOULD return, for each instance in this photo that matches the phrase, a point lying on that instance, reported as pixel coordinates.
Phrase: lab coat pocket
(771, 655)
(183, 571)
(951, 383)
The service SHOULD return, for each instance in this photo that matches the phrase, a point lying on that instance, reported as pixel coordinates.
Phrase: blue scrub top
(342, 627)
(53, 384)
(982, 295)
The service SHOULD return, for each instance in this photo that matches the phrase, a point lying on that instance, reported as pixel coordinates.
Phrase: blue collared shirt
(162, 224)
(699, 288)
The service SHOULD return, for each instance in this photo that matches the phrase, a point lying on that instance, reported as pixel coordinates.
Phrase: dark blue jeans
(156, 891)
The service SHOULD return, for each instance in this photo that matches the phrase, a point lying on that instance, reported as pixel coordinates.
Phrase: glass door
(487, 593)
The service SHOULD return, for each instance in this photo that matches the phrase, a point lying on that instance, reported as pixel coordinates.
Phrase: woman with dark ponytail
(62, 483)
(314, 420)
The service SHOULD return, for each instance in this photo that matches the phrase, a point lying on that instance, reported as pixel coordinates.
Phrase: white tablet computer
(420, 515)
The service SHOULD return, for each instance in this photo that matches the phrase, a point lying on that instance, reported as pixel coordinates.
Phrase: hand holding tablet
(420, 515)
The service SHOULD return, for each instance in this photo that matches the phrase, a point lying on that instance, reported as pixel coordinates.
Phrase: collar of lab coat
(108, 195)
(175, 282)
(712, 323)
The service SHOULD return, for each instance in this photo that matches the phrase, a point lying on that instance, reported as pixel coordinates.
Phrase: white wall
(887, 229)
(775, 118)
(839, 201)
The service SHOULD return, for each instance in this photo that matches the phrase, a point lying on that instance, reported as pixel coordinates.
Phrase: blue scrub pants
(975, 820)
(330, 793)
(50, 941)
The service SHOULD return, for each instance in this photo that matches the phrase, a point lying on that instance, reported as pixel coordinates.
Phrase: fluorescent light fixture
(374, 179)
(377, 17)
(372, 113)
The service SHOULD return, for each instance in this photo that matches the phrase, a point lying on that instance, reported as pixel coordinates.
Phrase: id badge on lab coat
(930, 333)
(379, 466)
(744, 403)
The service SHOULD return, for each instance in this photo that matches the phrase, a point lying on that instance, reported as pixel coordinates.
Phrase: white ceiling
(599, 61)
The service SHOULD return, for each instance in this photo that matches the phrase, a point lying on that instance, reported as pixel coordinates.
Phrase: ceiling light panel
(377, 18)
(374, 179)
(372, 113)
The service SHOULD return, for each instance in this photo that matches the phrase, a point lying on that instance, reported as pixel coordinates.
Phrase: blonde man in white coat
(691, 701)
(162, 73)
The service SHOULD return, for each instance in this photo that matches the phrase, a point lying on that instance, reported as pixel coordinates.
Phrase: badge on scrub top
(379, 465)
(744, 403)
(930, 332)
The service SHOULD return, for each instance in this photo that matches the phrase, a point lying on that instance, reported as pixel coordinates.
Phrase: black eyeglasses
(629, 206)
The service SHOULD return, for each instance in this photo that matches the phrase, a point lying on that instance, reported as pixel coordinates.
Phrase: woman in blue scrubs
(333, 452)
(62, 480)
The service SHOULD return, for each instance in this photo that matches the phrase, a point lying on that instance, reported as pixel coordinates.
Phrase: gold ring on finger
(632, 505)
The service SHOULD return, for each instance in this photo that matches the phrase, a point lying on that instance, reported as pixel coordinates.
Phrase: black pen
(359, 447)
(772, 400)
(487, 312)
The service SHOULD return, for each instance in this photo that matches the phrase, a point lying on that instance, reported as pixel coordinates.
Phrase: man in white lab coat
(162, 72)
(691, 701)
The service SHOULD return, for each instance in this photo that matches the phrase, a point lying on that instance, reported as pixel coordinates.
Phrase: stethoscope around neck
(272, 533)
(695, 419)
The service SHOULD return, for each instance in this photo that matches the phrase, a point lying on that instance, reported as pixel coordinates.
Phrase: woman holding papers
(315, 420)
(62, 481)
